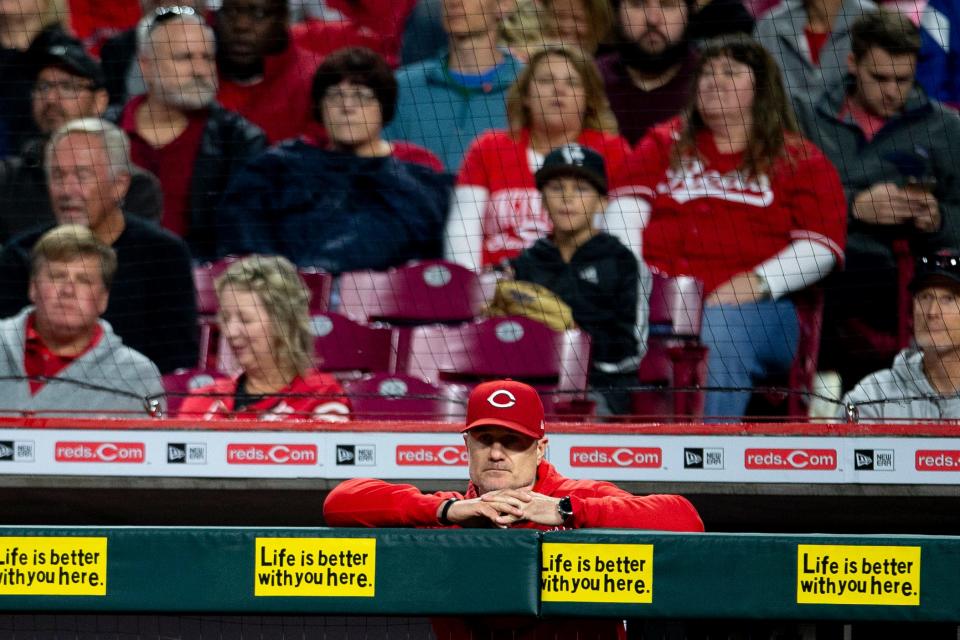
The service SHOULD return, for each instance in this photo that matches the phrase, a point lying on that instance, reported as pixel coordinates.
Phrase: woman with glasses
(265, 320)
(497, 213)
(350, 201)
(741, 201)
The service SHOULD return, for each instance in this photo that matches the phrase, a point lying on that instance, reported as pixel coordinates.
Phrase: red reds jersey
(712, 221)
(316, 396)
(503, 165)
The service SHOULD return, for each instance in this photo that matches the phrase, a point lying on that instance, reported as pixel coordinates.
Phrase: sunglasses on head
(166, 14)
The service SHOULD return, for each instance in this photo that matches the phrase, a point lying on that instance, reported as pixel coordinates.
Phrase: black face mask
(653, 63)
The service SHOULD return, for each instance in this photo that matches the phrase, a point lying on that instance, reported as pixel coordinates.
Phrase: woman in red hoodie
(264, 318)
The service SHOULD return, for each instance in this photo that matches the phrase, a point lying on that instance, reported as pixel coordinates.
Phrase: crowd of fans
(778, 154)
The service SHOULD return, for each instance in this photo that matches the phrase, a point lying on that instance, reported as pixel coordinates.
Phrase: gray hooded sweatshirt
(109, 380)
(901, 392)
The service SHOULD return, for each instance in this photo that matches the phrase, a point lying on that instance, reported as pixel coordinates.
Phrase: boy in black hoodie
(590, 270)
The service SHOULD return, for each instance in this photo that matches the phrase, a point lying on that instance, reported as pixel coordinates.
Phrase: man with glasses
(258, 63)
(924, 381)
(179, 131)
(69, 85)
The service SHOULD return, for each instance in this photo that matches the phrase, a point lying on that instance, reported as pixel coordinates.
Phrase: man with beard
(648, 77)
(258, 61)
(177, 129)
(69, 85)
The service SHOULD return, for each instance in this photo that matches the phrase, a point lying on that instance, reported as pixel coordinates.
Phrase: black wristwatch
(565, 508)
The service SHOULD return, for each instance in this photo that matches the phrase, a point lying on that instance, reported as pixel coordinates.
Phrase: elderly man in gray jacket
(56, 356)
(924, 382)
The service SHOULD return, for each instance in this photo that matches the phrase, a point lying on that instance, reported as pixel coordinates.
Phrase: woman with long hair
(265, 319)
(556, 100)
(741, 201)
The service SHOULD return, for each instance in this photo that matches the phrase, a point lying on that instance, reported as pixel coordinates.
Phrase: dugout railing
(410, 572)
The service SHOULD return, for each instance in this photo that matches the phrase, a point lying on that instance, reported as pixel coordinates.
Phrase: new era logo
(186, 453)
(873, 460)
(697, 458)
(361, 455)
(16, 451)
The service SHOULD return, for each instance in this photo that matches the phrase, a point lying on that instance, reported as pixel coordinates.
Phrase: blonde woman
(581, 25)
(558, 99)
(264, 317)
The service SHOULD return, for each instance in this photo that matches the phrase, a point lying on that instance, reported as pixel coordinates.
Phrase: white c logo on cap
(492, 399)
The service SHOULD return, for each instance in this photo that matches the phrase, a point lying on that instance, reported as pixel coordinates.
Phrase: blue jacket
(939, 69)
(436, 112)
(334, 211)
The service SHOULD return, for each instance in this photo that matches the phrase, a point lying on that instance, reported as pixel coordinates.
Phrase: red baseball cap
(506, 403)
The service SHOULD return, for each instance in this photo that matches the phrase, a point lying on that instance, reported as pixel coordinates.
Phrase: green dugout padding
(817, 577)
(480, 572)
(376, 572)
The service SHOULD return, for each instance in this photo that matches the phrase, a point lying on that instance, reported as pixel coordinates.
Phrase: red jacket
(316, 396)
(365, 502)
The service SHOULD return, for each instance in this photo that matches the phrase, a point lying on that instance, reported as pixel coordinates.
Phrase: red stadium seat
(675, 359)
(389, 396)
(343, 345)
(512, 347)
(204, 276)
(320, 284)
(182, 381)
(432, 291)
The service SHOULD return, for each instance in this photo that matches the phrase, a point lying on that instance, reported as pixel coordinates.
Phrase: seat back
(343, 345)
(320, 284)
(432, 291)
(181, 382)
(509, 347)
(809, 303)
(388, 396)
(204, 276)
(676, 305)
(674, 358)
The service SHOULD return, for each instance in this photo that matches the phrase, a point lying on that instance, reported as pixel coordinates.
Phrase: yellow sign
(573, 572)
(338, 567)
(845, 574)
(54, 566)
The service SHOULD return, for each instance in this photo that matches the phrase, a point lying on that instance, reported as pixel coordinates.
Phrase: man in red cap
(511, 484)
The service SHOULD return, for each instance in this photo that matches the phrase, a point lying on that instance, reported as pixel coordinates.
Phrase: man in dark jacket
(179, 132)
(69, 85)
(896, 152)
(152, 301)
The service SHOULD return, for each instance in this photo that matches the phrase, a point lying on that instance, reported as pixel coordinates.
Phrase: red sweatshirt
(365, 502)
